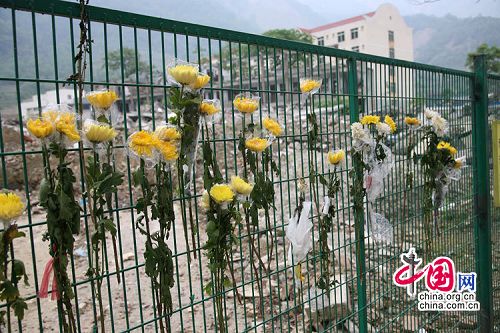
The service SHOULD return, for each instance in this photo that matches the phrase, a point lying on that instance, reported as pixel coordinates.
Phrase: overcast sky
(461, 8)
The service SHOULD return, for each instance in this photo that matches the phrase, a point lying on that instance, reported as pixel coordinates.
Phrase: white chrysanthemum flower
(358, 132)
(429, 114)
(439, 125)
(383, 129)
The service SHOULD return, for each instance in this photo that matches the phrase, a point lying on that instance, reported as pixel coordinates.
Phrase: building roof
(339, 23)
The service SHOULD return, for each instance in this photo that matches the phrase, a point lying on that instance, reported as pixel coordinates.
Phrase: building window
(340, 37)
(391, 53)
(321, 41)
(391, 36)
(355, 48)
(354, 33)
(335, 46)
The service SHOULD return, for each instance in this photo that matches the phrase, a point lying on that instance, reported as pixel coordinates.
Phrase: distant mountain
(253, 16)
(446, 41)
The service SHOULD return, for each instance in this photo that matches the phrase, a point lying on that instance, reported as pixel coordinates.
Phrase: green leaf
(19, 270)
(103, 119)
(227, 283)
(208, 289)
(137, 177)
(8, 291)
(109, 226)
(19, 306)
(43, 194)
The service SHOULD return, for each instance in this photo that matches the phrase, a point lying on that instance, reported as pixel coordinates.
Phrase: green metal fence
(129, 54)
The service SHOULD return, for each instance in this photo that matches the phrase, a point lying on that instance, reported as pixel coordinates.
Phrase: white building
(66, 96)
(383, 32)
(384, 88)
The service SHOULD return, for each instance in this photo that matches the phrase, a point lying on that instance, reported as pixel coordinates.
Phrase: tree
(289, 34)
(129, 65)
(492, 58)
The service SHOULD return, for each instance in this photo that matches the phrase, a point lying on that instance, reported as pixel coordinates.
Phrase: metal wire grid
(271, 69)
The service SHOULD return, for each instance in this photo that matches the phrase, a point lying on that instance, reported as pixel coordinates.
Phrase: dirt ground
(129, 304)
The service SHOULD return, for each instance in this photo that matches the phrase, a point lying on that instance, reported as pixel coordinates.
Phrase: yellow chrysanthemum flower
(446, 146)
(201, 81)
(309, 85)
(66, 125)
(51, 115)
(40, 128)
(246, 105)
(167, 133)
(98, 132)
(272, 126)
(11, 206)
(102, 99)
(142, 143)
(389, 121)
(336, 157)
(240, 186)
(221, 193)
(411, 121)
(208, 108)
(184, 74)
(167, 150)
(367, 120)
(256, 144)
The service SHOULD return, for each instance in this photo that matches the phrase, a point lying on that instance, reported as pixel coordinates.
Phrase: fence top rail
(494, 76)
(104, 15)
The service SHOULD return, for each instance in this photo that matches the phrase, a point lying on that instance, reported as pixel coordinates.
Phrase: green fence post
(482, 225)
(359, 216)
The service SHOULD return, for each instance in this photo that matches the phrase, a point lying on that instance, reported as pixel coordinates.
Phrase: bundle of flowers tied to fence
(157, 151)
(439, 163)
(220, 202)
(254, 145)
(56, 128)
(186, 102)
(299, 229)
(101, 182)
(11, 207)
(376, 162)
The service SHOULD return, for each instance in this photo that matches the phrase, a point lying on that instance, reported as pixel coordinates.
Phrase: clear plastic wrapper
(273, 127)
(182, 73)
(102, 100)
(310, 86)
(337, 159)
(12, 206)
(439, 193)
(326, 205)
(246, 103)
(298, 233)
(211, 110)
(65, 122)
(381, 230)
(97, 135)
(40, 127)
(141, 146)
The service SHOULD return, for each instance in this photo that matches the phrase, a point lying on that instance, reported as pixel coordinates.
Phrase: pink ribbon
(368, 182)
(44, 287)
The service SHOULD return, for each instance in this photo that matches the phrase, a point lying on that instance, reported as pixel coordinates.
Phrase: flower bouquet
(56, 129)
(11, 207)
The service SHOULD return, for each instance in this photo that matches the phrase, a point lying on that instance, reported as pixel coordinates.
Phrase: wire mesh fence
(129, 54)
